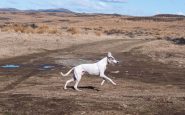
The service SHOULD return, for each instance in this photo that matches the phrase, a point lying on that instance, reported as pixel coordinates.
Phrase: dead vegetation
(178, 41)
(156, 19)
(73, 30)
(98, 33)
(113, 31)
(164, 51)
(28, 28)
(157, 26)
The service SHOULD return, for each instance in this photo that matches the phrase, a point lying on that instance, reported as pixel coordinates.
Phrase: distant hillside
(168, 15)
(39, 10)
(158, 18)
(52, 10)
(9, 9)
(155, 17)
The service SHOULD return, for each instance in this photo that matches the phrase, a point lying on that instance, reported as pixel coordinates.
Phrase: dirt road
(144, 86)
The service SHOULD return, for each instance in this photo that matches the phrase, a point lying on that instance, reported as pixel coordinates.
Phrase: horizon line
(87, 12)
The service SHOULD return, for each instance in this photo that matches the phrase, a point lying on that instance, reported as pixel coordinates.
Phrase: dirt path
(144, 87)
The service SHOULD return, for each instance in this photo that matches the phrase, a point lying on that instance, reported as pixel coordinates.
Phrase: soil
(144, 86)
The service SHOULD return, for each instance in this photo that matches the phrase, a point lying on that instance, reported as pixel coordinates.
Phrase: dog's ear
(109, 54)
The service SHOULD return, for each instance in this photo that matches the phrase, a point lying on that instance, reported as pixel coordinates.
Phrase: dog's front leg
(107, 78)
(103, 82)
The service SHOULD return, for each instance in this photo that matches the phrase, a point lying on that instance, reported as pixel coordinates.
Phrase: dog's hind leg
(65, 87)
(76, 85)
(78, 78)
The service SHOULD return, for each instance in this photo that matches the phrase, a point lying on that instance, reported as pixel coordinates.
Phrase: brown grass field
(150, 77)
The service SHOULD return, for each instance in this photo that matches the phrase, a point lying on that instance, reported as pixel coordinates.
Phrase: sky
(124, 7)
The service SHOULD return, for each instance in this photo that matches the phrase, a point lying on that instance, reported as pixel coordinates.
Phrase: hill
(39, 10)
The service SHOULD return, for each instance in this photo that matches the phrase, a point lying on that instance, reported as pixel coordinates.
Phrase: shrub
(42, 29)
(72, 30)
(98, 33)
(113, 31)
(53, 31)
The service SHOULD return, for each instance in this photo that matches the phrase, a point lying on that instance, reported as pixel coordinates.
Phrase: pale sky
(125, 7)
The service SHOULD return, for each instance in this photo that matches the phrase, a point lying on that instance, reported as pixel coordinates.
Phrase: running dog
(97, 68)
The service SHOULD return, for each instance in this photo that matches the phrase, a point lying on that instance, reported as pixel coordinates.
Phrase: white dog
(92, 69)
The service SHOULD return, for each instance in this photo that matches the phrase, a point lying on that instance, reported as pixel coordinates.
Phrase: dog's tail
(67, 72)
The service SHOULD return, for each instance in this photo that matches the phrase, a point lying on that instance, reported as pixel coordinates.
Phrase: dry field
(151, 69)
(62, 23)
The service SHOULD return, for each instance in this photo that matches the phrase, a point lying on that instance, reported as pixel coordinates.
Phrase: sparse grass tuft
(113, 31)
(29, 28)
(53, 31)
(73, 30)
(98, 33)
(42, 29)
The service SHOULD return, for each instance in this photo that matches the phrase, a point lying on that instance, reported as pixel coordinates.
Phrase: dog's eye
(111, 58)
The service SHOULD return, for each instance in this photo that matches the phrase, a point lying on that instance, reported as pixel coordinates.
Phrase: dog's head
(111, 59)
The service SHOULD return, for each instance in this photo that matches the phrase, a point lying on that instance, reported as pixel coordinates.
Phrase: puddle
(10, 66)
(47, 67)
(8, 69)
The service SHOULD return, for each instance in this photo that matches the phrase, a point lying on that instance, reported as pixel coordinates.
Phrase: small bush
(53, 31)
(42, 29)
(179, 41)
(33, 26)
(19, 28)
(113, 31)
(29, 28)
(72, 30)
(98, 33)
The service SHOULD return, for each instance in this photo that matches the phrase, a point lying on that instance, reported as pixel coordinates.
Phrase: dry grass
(42, 29)
(111, 25)
(113, 31)
(53, 31)
(164, 51)
(29, 28)
(73, 30)
(14, 27)
(98, 33)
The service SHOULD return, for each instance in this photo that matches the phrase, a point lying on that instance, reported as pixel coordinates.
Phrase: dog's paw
(114, 84)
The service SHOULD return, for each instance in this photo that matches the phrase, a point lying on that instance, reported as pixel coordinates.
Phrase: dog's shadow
(85, 87)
